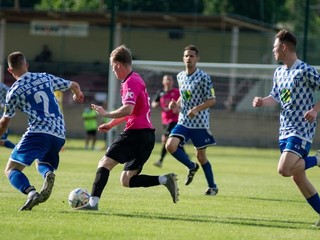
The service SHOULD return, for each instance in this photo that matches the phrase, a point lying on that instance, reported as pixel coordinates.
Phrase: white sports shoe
(31, 202)
(317, 155)
(317, 224)
(87, 207)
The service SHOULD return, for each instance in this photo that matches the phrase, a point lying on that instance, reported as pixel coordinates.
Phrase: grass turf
(254, 202)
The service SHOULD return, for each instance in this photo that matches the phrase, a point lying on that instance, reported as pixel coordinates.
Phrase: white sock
(318, 158)
(162, 180)
(93, 201)
(31, 193)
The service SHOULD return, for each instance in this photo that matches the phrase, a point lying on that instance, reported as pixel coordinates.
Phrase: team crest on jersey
(186, 95)
(285, 95)
(212, 92)
(129, 95)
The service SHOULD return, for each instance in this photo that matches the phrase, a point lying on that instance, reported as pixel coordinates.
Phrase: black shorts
(132, 148)
(168, 127)
(92, 132)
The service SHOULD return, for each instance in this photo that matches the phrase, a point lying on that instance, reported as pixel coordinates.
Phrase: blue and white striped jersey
(293, 88)
(33, 94)
(194, 90)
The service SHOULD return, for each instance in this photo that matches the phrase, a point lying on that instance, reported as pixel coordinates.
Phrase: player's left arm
(210, 98)
(122, 112)
(203, 106)
(314, 79)
(312, 114)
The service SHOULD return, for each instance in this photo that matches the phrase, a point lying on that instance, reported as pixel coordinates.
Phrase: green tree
(269, 11)
(70, 5)
(297, 15)
(122, 5)
(297, 23)
(160, 5)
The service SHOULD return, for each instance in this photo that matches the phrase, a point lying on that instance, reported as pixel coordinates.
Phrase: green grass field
(254, 202)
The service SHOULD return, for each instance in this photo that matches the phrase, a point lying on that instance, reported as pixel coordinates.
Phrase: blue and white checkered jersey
(293, 88)
(194, 90)
(3, 92)
(33, 94)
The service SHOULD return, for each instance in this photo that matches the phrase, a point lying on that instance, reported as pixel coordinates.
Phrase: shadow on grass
(255, 222)
(274, 199)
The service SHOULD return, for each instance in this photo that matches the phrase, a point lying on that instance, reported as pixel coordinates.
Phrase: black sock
(163, 152)
(144, 181)
(102, 176)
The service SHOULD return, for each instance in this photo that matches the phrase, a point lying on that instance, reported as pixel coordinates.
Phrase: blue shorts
(41, 146)
(295, 145)
(201, 138)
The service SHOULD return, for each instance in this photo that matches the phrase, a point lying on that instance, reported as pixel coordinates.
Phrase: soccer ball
(78, 197)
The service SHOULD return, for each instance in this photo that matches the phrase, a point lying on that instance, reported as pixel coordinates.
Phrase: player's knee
(202, 158)
(171, 146)
(7, 172)
(284, 172)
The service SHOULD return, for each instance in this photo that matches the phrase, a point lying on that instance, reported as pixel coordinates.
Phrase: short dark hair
(285, 36)
(192, 47)
(16, 60)
(121, 54)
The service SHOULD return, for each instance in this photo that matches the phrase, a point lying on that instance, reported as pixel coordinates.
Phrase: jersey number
(41, 96)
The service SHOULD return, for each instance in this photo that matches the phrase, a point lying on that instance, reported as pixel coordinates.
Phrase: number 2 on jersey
(42, 96)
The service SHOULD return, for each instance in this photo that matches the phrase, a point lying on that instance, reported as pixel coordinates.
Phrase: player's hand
(78, 97)
(257, 102)
(104, 127)
(310, 115)
(172, 104)
(99, 110)
(192, 113)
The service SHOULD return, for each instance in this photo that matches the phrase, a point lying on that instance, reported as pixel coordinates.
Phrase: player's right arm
(264, 102)
(156, 99)
(174, 105)
(154, 104)
(77, 93)
(4, 124)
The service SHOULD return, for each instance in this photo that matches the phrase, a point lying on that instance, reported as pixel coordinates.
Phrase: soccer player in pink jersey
(169, 117)
(135, 144)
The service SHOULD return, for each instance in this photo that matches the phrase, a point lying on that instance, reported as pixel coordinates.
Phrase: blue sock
(208, 172)
(44, 168)
(182, 157)
(19, 180)
(9, 144)
(310, 162)
(314, 202)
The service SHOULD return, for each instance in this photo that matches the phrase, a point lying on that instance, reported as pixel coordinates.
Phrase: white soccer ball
(78, 197)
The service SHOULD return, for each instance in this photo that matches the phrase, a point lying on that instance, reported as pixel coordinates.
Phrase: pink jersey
(167, 115)
(133, 91)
